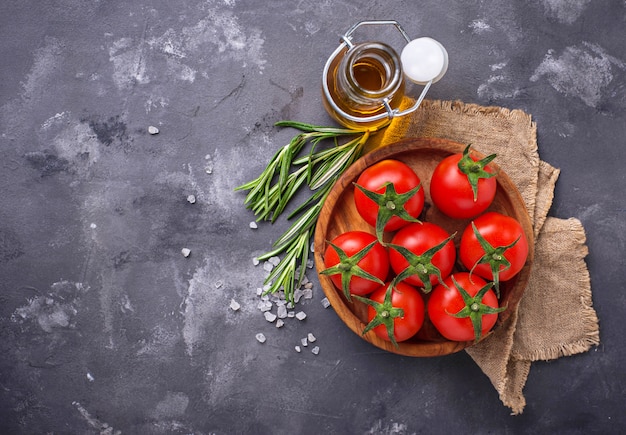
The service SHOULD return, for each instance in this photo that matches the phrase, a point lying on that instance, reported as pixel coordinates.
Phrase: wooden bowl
(339, 215)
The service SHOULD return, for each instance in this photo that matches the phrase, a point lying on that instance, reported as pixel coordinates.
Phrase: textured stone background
(106, 328)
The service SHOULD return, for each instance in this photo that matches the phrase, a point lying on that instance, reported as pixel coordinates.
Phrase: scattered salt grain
(260, 337)
(298, 349)
(304, 342)
(186, 252)
(234, 305)
(259, 291)
(308, 285)
(153, 130)
(300, 315)
(90, 377)
(291, 314)
(270, 317)
(307, 293)
(310, 264)
(265, 306)
(311, 337)
(297, 294)
(315, 350)
(255, 261)
(218, 284)
(279, 323)
(274, 260)
(325, 303)
(281, 311)
(191, 199)
(267, 266)
(253, 225)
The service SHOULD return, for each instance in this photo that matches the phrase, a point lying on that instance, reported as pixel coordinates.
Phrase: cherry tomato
(397, 309)
(376, 178)
(506, 252)
(477, 314)
(356, 265)
(420, 238)
(462, 186)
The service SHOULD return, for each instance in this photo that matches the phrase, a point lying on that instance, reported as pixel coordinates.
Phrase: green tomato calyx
(421, 265)
(474, 308)
(348, 267)
(475, 170)
(390, 204)
(386, 314)
(494, 256)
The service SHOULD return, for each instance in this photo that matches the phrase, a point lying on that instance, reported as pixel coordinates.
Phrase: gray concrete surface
(106, 328)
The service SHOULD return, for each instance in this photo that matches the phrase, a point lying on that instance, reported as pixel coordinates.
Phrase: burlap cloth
(555, 317)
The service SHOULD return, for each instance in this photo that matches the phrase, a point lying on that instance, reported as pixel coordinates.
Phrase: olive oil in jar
(364, 81)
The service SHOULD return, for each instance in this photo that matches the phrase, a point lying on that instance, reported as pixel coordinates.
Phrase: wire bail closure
(411, 67)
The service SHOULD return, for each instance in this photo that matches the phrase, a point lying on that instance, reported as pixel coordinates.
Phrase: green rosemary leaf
(303, 223)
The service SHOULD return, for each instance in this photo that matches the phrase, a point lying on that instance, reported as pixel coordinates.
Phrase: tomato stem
(474, 308)
(385, 313)
(475, 170)
(390, 204)
(494, 256)
(348, 267)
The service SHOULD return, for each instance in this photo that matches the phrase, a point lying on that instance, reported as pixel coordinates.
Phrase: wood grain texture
(339, 215)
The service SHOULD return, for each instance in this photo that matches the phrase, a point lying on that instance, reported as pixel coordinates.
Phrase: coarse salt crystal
(300, 315)
(297, 294)
(311, 337)
(304, 342)
(267, 266)
(315, 350)
(218, 284)
(307, 293)
(191, 199)
(281, 311)
(153, 130)
(253, 225)
(270, 317)
(298, 349)
(291, 314)
(234, 305)
(274, 260)
(325, 303)
(186, 252)
(279, 323)
(260, 337)
(255, 261)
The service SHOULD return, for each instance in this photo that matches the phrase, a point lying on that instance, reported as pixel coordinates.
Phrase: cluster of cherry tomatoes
(394, 278)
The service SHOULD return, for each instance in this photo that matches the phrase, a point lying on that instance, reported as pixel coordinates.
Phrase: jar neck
(369, 73)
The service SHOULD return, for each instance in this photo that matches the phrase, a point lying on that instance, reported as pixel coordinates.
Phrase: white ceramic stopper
(423, 60)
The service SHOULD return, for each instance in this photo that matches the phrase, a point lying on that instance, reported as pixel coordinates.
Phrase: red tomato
(399, 311)
(479, 313)
(500, 232)
(462, 186)
(361, 272)
(375, 178)
(419, 238)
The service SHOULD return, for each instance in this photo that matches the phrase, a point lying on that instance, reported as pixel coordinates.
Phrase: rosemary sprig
(286, 173)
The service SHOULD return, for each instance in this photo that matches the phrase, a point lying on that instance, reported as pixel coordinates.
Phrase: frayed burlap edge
(587, 313)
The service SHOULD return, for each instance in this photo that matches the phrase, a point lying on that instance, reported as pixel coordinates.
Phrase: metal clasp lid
(424, 61)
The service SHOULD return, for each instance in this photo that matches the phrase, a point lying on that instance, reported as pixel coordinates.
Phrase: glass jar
(364, 83)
